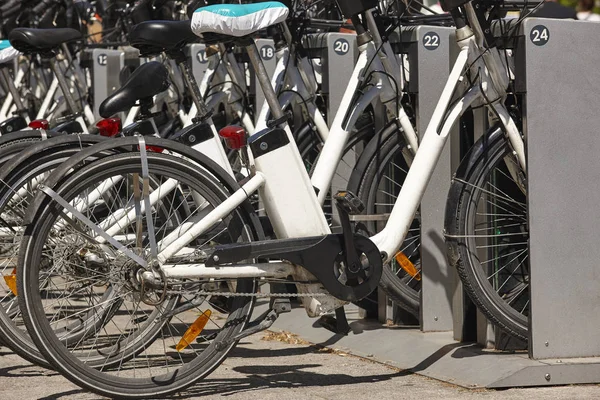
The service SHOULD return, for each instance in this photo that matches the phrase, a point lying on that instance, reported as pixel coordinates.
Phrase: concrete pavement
(280, 366)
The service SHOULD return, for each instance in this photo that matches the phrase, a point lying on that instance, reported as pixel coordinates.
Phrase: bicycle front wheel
(377, 181)
(487, 234)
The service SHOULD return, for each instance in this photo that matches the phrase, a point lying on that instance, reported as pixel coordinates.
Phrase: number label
(202, 58)
(267, 52)
(341, 47)
(539, 35)
(431, 41)
(102, 59)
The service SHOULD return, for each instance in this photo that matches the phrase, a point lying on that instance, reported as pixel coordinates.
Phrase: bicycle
(328, 269)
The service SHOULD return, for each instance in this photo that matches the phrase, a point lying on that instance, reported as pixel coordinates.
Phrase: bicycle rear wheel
(140, 342)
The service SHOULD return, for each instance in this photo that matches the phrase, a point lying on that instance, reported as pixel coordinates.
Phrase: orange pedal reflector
(193, 331)
(11, 281)
(407, 266)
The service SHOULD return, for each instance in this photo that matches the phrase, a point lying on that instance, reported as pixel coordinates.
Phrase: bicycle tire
(18, 339)
(15, 142)
(35, 317)
(489, 155)
(40, 157)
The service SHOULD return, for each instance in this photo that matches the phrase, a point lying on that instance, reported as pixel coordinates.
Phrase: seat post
(263, 79)
(62, 82)
(191, 83)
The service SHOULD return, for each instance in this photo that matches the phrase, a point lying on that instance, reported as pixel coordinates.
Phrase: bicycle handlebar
(10, 10)
(42, 6)
(327, 24)
(512, 5)
(9, 5)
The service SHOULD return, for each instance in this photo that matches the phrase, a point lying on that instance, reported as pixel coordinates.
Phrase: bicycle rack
(563, 247)
(336, 55)
(338, 64)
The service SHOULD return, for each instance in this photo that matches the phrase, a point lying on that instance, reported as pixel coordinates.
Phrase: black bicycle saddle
(29, 40)
(154, 37)
(147, 81)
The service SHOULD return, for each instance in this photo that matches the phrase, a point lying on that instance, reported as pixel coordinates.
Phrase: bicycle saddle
(29, 40)
(146, 81)
(238, 19)
(153, 37)
(7, 52)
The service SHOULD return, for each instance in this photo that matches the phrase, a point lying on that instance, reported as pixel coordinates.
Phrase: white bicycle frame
(301, 81)
(8, 105)
(289, 195)
(290, 202)
(52, 98)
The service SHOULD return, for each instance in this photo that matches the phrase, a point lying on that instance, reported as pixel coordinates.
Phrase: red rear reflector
(155, 149)
(234, 135)
(109, 127)
(39, 124)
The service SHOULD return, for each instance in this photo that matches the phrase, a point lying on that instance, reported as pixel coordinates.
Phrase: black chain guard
(318, 255)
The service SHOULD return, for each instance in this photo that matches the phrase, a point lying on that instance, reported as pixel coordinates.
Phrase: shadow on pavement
(278, 376)
(64, 394)
(244, 352)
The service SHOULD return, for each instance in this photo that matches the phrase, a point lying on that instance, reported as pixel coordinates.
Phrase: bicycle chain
(230, 294)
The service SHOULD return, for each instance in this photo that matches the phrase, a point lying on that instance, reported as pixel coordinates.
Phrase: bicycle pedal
(349, 202)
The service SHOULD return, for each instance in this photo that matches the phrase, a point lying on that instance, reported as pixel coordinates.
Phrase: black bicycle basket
(353, 7)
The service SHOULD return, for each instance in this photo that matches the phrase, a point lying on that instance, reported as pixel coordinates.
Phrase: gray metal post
(263, 80)
(431, 54)
(266, 51)
(341, 55)
(199, 60)
(438, 280)
(562, 123)
(106, 68)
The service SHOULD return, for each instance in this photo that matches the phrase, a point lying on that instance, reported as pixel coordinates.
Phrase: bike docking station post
(106, 66)
(563, 197)
(340, 55)
(266, 49)
(430, 60)
(196, 53)
(334, 56)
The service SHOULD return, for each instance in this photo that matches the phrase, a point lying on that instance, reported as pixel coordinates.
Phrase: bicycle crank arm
(323, 256)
